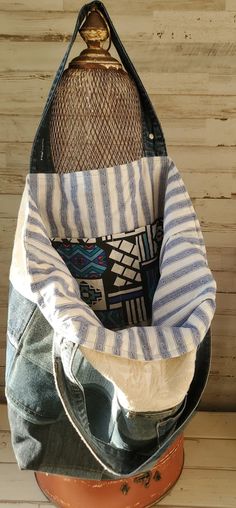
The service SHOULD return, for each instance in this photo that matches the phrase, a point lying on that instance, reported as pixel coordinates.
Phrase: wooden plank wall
(185, 53)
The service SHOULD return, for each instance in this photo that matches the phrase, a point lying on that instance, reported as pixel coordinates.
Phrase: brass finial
(95, 31)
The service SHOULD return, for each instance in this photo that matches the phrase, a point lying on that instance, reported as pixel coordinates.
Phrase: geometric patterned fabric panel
(117, 274)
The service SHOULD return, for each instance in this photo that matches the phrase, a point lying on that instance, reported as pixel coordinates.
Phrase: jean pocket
(167, 426)
(30, 385)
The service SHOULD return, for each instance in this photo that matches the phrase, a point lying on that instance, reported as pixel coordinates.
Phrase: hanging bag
(63, 412)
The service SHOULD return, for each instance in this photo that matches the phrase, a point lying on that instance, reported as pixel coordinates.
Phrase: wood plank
(3, 324)
(33, 5)
(213, 185)
(6, 451)
(172, 27)
(210, 213)
(223, 325)
(225, 238)
(181, 57)
(184, 131)
(150, 5)
(2, 376)
(2, 353)
(4, 424)
(201, 158)
(58, 26)
(203, 488)
(7, 231)
(10, 127)
(4, 296)
(186, 83)
(26, 93)
(223, 367)
(24, 505)
(209, 132)
(217, 84)
(226, 303)
(230, 5)
(208, 425)
(35, 56)
(199, 26)
(2, 395)
(142, 7)
(11, 183)
(224, 347)
(207, 58)
(221, 258)
(18, 485)
(9, 206)
(203, 106)
(226, 281)
(220, 393)
(217, 134)
(210, 454)
(34, 85)
(15, 157)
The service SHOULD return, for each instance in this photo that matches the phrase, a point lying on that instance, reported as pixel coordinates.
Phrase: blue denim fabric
(42, 435)
(79, 429)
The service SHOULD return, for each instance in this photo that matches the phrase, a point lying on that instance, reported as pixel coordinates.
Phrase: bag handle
(153, 138)
(120, 462)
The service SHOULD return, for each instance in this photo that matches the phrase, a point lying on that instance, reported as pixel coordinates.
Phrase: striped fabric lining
(108, 201)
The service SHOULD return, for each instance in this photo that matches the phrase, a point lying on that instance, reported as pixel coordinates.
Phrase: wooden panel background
(185, 53)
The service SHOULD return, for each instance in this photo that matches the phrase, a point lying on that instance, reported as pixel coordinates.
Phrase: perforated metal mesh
(95, 120)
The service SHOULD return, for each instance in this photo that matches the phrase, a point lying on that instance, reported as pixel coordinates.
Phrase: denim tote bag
(63, 412)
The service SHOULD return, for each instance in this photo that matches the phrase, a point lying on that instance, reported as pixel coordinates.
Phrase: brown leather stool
(140, 491)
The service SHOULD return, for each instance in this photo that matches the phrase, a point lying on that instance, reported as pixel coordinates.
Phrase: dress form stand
(96, 113)
(96, 122)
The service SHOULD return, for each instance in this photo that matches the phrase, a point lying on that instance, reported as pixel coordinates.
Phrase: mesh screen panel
(95, 120)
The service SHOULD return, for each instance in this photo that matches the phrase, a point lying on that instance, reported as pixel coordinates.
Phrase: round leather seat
(143, 490)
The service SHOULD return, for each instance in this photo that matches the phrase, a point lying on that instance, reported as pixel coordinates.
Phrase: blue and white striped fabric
(107, 201)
